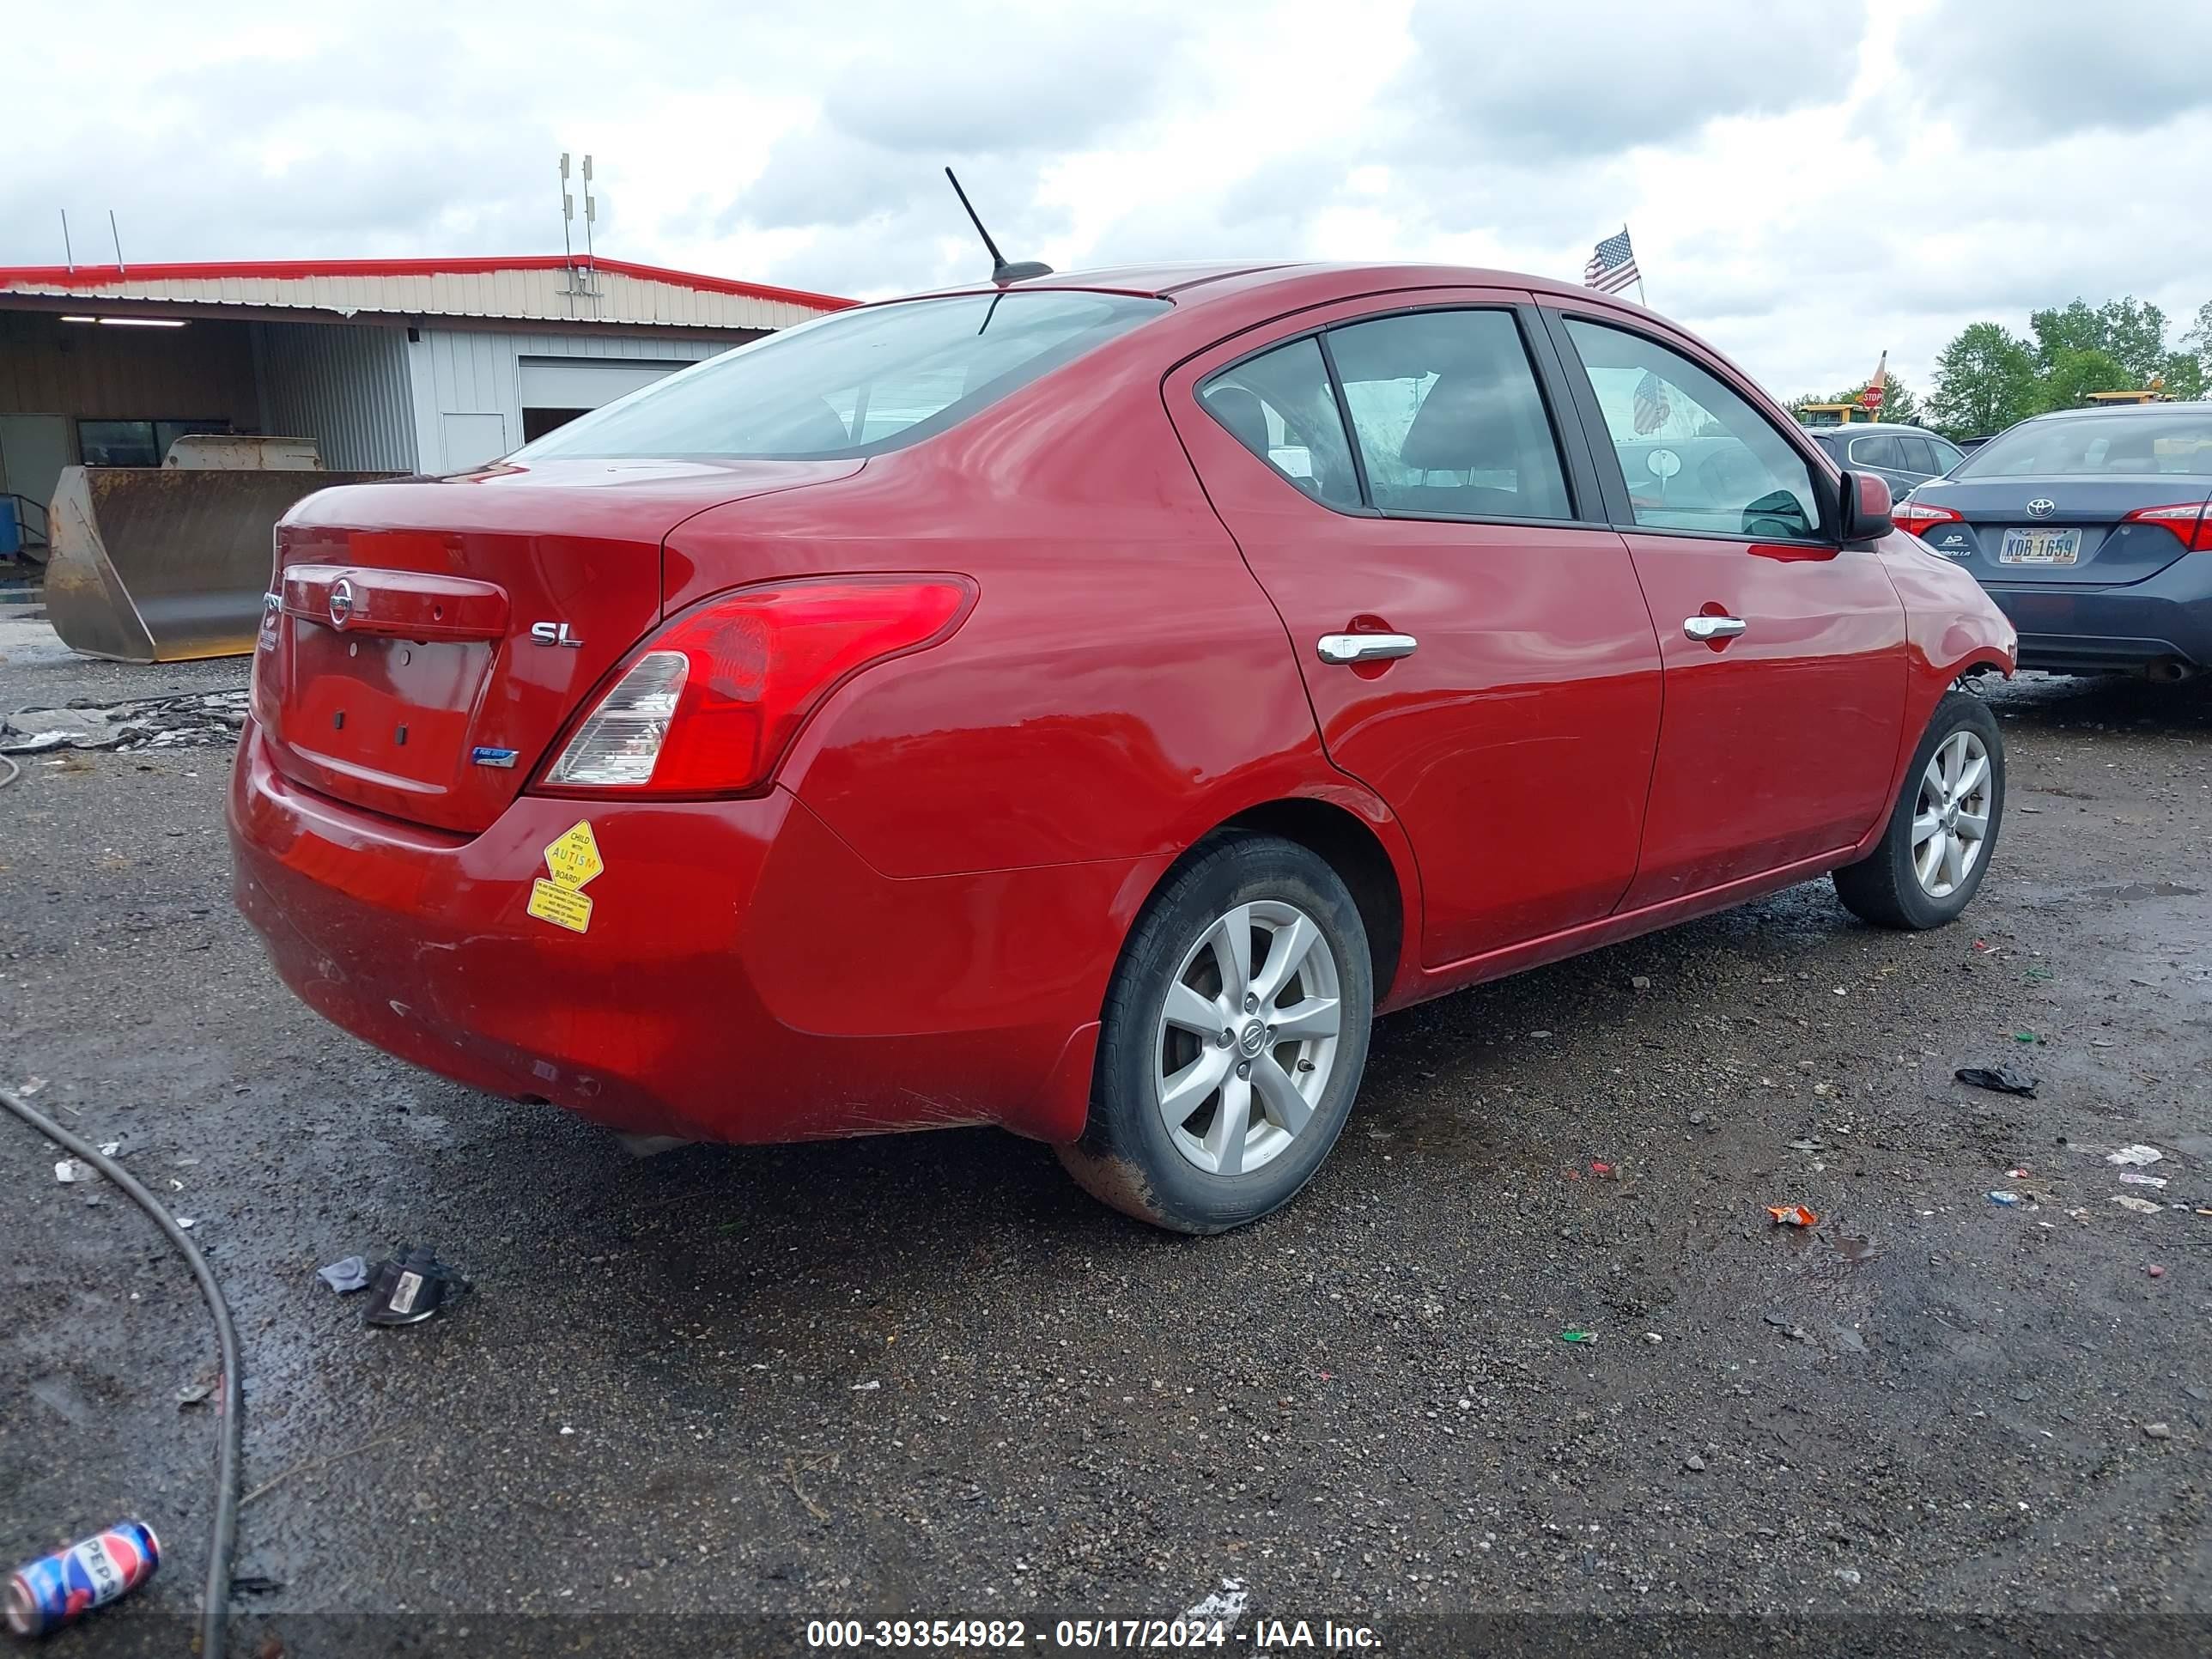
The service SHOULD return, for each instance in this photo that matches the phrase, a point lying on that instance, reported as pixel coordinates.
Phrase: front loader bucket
(162, 564)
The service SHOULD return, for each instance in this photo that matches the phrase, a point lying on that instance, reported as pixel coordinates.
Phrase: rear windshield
(2087, 446)
(855, 383)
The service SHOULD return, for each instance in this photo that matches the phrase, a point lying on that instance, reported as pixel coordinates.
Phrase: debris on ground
(350, 1275)
(2137, 1178)
(2138, 1155)
(2009, 1200)
(196, 1393)
(1224, 1605)
(2159, 1430)
(54, 1590)
(1577, 1336)
(2140, 1206)
(190, 719)
(2000, 1078)
(69, 1172)
(1695, 1464)
(412, 1286)
(2155, 1271)
(1792, 1215)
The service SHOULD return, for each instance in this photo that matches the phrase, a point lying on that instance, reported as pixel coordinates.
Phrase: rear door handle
(1713, 627)
(1346, 648)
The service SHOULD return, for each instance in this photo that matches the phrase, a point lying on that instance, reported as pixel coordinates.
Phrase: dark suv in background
(1901, 456)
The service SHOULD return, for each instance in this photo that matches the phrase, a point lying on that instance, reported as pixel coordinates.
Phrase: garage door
(588, 382)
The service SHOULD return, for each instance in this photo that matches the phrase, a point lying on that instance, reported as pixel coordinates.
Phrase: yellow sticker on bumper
(564, 907)
(572, 861)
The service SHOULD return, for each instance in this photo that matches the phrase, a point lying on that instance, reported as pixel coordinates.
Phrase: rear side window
(1920, 455)
(1449, 421)
(1883, 449)
(1695, 455)
(1281, 407)
(1946, 455)
(855, 383)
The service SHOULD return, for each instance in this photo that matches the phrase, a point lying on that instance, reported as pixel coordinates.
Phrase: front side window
(854, 383)
(1696, 456)
(1280, 406)
(1449, 421)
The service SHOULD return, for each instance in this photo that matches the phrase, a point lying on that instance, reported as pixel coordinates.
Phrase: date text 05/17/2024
(1169, 1635)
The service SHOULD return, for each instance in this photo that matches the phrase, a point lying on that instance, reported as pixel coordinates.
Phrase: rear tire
(1942, 831)
(1235, 1033)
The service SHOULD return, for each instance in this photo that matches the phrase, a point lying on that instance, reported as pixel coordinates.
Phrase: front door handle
(1345, 649)
(1713, 627)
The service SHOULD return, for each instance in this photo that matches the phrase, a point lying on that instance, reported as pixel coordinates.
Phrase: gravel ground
(707, 1397)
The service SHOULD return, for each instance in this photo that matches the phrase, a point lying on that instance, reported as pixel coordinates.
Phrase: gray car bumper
(2163, 620)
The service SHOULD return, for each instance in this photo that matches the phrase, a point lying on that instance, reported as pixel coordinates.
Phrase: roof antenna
(1001, 272)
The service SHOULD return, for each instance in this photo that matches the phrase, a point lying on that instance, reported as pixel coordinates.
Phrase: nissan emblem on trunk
(341, 602)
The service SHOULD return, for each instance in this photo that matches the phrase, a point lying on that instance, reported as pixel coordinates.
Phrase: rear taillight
(1921, 517)
(2189, 521)
(708, 704)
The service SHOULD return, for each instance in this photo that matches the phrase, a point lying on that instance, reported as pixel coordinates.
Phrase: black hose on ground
(215, 1604)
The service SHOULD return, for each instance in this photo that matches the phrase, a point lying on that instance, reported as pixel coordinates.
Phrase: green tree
(2076, 373)
(2197, 349)
(2074, 326)
(2129, 330)
(1985, 379)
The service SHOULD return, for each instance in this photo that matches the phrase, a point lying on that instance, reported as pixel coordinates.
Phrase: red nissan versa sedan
(1081, 706)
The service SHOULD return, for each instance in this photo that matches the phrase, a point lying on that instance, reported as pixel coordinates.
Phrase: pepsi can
(46, 1594)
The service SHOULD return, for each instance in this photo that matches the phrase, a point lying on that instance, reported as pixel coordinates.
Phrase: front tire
(1235, 1033)
(1930, 860)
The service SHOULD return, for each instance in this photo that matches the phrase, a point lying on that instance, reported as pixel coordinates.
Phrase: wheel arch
(1356, 836)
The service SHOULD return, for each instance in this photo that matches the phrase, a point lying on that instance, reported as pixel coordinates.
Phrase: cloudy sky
(1808, 182)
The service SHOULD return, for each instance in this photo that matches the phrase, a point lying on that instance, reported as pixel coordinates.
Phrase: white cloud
(1808, 185)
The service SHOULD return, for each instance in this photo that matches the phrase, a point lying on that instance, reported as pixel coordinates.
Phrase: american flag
(1612, 265)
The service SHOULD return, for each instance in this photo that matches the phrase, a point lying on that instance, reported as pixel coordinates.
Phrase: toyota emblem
(2041, 507)
(342, 599)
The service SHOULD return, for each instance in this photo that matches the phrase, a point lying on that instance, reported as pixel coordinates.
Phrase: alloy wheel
(1247, 1037)
(1951, 819)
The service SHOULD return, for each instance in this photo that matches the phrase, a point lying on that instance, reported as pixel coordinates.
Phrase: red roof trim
(285, 270)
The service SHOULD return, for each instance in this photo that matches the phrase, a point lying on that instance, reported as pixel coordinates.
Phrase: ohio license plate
(2039, 547)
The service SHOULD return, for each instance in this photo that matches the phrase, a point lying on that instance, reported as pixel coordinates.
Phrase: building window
(134, 443)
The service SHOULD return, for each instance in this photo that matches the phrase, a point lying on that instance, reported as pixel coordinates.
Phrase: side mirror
(1866, 506)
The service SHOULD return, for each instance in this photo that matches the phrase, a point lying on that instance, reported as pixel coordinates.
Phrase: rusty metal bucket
(162, 564)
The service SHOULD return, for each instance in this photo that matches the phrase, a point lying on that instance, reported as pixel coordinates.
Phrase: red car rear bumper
(745, 976)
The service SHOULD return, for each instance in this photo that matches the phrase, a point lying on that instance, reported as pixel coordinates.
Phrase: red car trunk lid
(427, 640)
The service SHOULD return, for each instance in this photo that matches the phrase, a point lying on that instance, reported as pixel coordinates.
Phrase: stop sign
(1871, 398)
